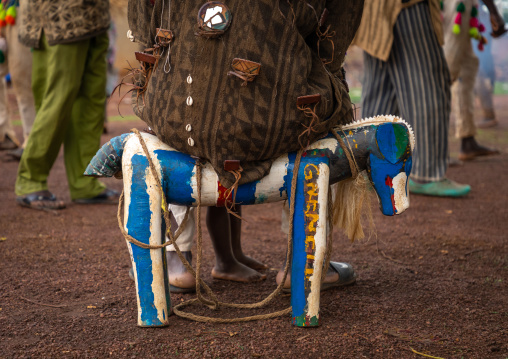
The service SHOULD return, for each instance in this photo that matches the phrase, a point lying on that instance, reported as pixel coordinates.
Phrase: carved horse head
(389, 168)
(382, 146)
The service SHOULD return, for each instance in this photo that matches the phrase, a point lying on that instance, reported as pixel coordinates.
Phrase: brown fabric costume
(71, 20)
(258, 122)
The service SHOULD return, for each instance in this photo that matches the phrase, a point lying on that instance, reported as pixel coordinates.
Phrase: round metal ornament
(214, 19)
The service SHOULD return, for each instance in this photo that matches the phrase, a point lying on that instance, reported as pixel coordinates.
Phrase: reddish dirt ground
(434, 279)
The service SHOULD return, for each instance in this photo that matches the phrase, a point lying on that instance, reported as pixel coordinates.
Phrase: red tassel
(458, 18)
(10, 20)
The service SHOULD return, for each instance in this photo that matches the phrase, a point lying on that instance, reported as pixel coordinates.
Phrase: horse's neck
(358, 143)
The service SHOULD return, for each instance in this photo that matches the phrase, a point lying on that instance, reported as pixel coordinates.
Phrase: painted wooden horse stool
(381, 145)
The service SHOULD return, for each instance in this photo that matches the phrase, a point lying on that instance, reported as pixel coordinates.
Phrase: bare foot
(250, 262)
(331, 277)
(178, 275)
(237, 272)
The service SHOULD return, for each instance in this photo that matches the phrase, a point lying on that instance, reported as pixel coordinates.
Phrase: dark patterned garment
(63, 21)
(200, 110)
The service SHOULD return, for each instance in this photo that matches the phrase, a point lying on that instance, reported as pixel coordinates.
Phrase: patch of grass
(355, 94)
(501, 88)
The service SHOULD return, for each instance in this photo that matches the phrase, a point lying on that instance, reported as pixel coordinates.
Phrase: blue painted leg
(309, 239)
(143, 222)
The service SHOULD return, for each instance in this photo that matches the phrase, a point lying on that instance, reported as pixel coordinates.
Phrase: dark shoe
(469, 149)
(347, 275)
(43, 200)
(109, 196)
(443, 188)
(15, 154)
(8, 144)
(487, 123)
(479, 151)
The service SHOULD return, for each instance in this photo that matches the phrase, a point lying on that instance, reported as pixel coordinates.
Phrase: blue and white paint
(382, 145)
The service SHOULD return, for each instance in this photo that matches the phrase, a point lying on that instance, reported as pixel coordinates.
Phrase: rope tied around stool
(212, 301)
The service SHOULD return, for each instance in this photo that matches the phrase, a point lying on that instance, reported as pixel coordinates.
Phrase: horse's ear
(392, 140)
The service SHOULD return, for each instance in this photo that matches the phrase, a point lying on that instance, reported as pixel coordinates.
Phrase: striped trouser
(414, 83)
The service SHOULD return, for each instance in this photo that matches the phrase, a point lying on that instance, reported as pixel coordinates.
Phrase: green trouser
(69, 85)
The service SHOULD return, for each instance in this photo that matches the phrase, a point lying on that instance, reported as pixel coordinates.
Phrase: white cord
(167, 64)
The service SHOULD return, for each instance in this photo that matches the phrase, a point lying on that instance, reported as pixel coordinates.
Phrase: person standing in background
(406, 75)
(486, 78)
(70, 43)
(18, 61)
(460, 24)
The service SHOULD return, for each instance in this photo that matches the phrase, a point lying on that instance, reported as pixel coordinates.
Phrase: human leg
(82, 138)
(463, 102)
(55, 89)
(463, 96)
(227, 267)
(20, 67)
(421, 79)
(180, 279)
(463, 65)
(457, 46)
(378, 95)
(8, 140)
(236, 242)
(484, 90)
(486, 78)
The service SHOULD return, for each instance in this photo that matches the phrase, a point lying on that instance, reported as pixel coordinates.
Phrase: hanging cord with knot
(310, 113)
(232, 191)
(325, 35)
(139, 82)
(212, 303)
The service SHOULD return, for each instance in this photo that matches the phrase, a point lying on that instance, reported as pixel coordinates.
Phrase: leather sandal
(346, 272)
(42, 200)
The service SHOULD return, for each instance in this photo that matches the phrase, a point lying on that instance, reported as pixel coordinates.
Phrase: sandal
(43, 200)
(347, 276)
